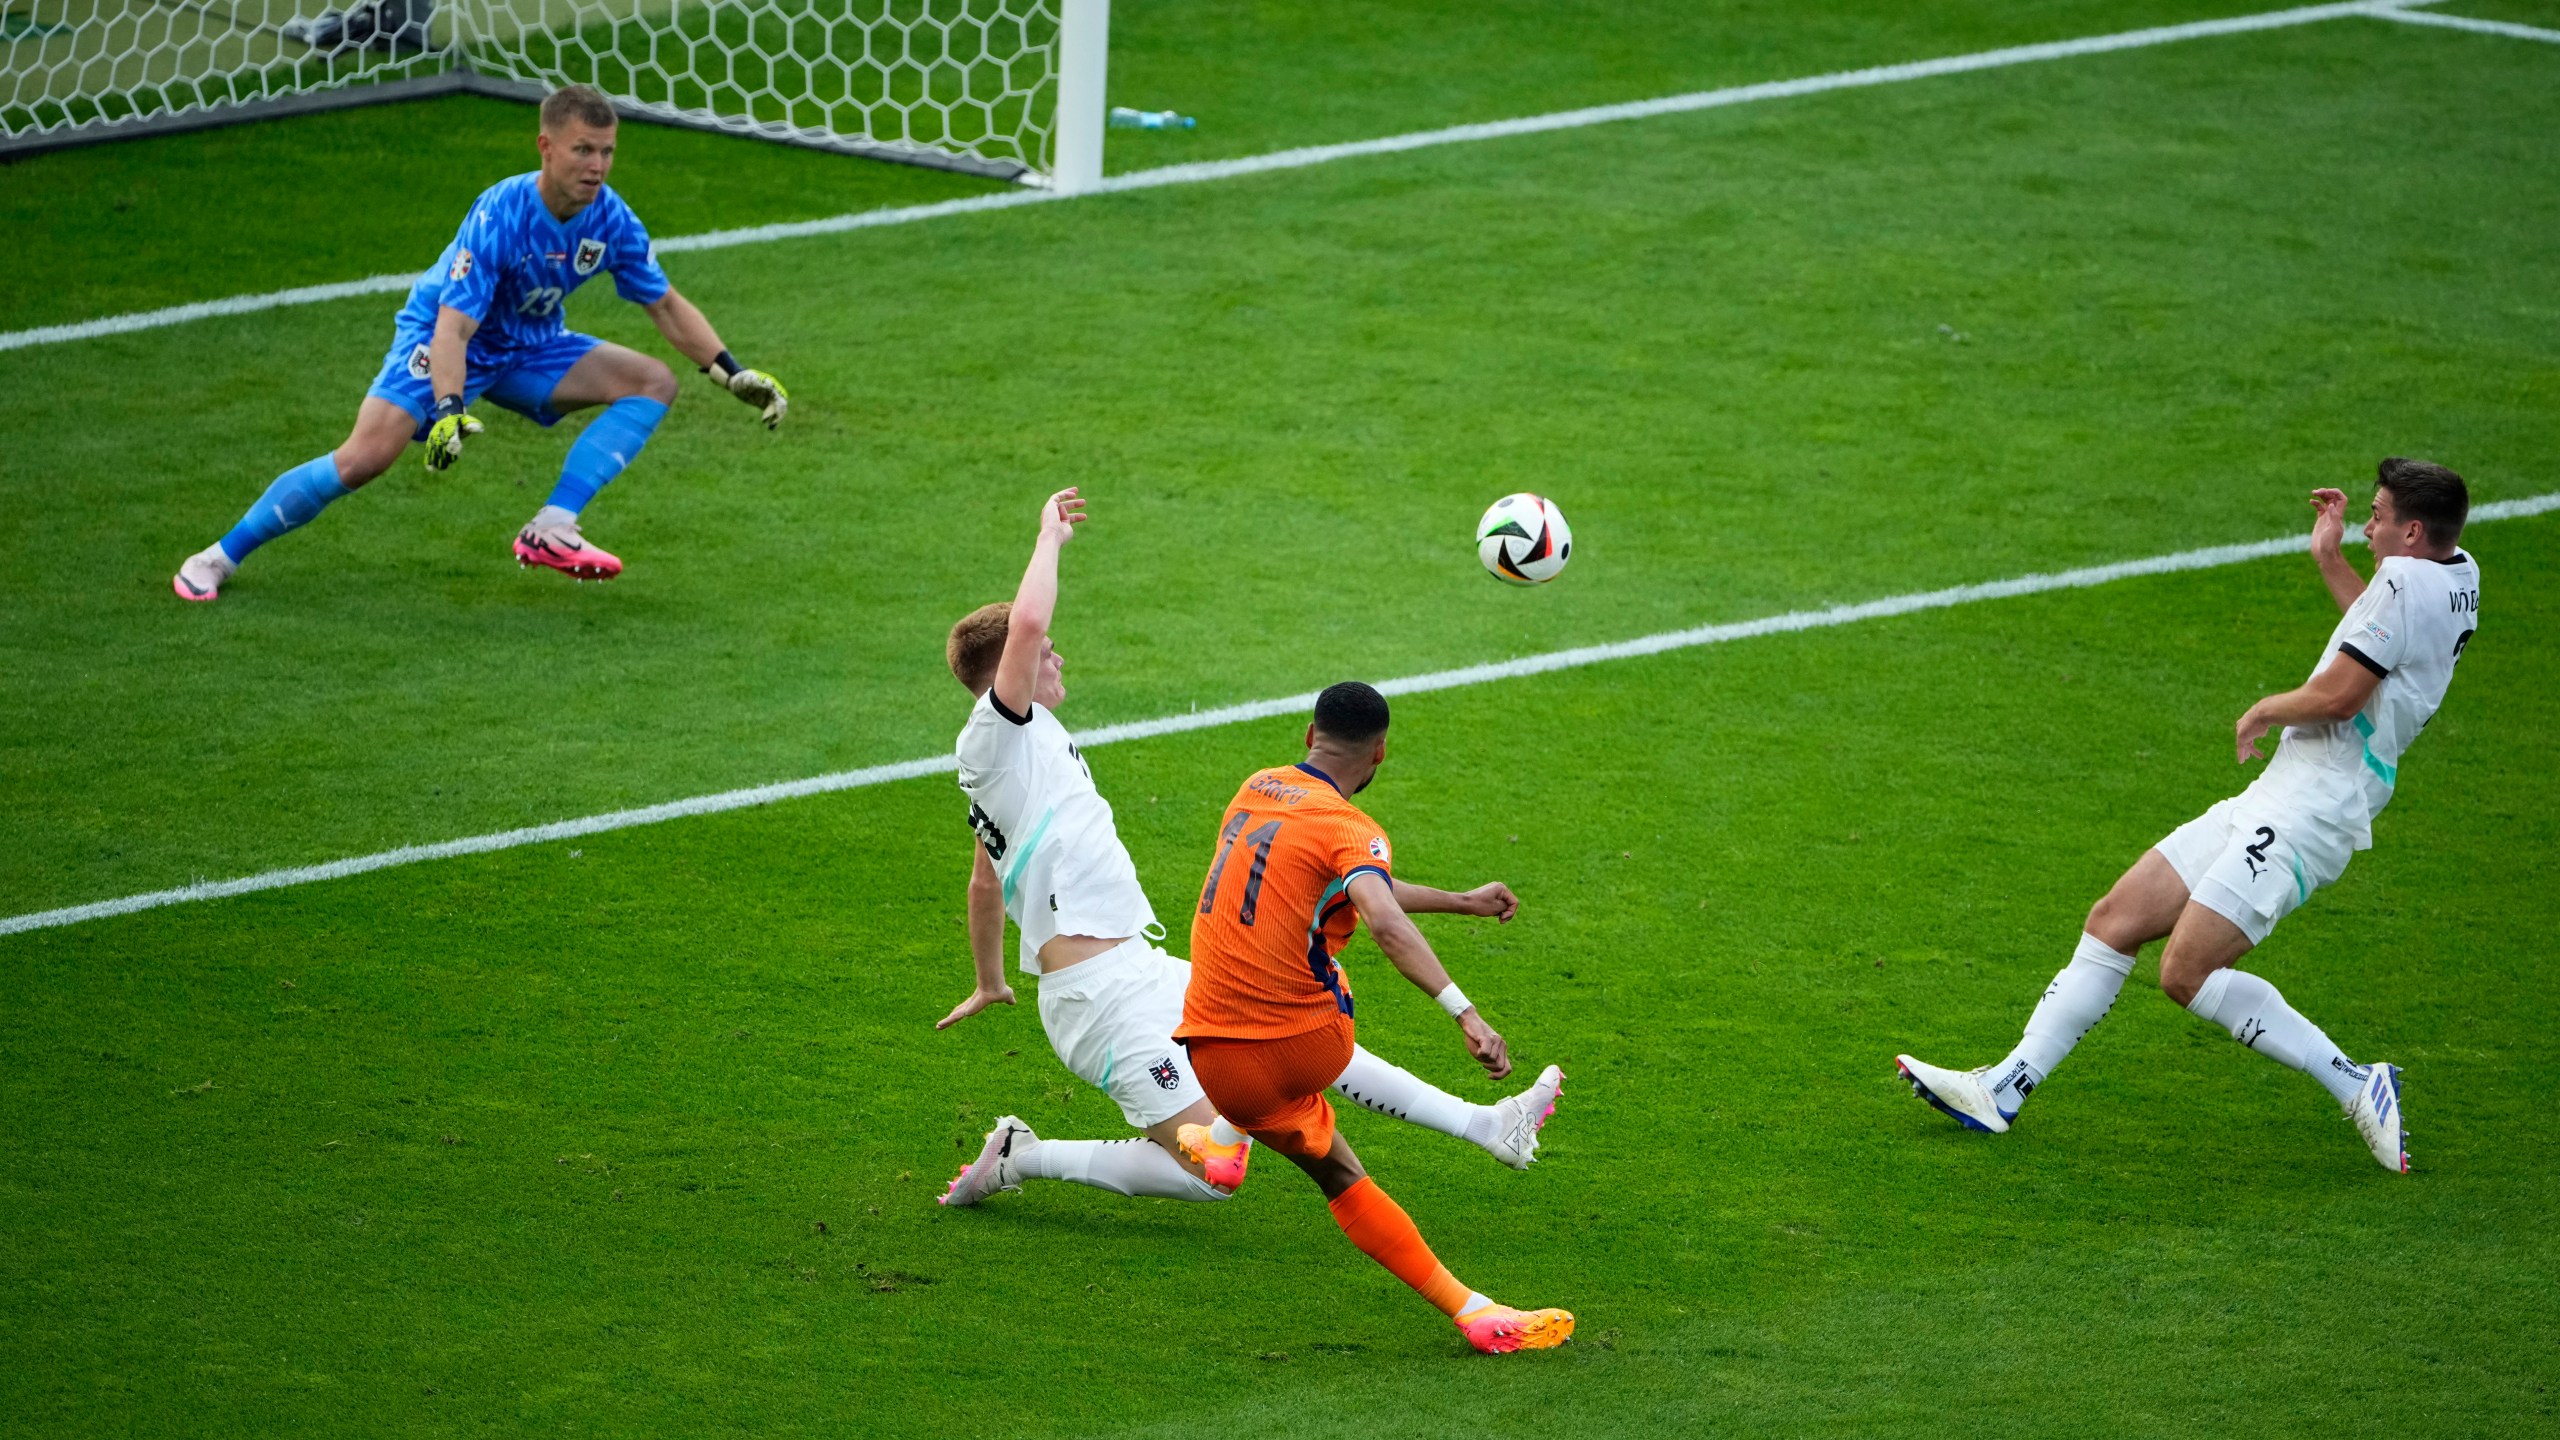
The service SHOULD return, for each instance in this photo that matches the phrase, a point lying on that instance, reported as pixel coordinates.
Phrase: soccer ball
(1523, 540)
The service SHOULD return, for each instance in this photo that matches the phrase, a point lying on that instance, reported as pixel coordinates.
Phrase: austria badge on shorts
(590, 255)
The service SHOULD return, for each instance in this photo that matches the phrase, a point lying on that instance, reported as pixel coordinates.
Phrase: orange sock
(1378, 1225)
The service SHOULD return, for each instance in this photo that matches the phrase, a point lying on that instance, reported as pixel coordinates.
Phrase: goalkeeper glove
(445, 437)
(753, 386)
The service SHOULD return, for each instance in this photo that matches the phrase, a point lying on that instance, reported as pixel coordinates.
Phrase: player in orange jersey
(1267, 1016)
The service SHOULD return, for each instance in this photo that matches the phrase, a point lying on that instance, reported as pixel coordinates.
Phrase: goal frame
(1084, 30)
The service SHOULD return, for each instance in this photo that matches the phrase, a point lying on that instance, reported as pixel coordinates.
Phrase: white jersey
(2408, 627)
(1047, 831)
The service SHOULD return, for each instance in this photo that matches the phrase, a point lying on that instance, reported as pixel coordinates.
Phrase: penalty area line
(1296, 159)
(2464, 22)
(1518, 668)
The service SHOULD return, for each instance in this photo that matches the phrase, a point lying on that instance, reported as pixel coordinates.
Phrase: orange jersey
(1275, 910)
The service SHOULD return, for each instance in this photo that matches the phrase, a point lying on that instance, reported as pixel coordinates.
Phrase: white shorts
(1111, 1019)
(2255, 857)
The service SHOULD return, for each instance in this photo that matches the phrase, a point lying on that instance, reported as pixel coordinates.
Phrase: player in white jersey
(1048, 857)
(2218, 884)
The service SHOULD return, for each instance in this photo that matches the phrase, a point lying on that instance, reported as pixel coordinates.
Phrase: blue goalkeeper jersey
(512, 265)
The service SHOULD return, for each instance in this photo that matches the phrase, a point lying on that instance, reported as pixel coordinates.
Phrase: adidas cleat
(1519, 1118)
(988, 1174)
(200, 579)
(562, 548)
(1220, 1165)
(2377, 1115)
(1959, 1094)
(1499, 1329)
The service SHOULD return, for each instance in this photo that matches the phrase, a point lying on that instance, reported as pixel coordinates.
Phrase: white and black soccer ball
(1523, 540)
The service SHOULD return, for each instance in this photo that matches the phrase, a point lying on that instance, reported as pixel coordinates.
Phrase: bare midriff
(1065, 950)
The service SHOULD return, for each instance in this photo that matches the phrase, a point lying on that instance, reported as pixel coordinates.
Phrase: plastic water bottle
(1124, 118)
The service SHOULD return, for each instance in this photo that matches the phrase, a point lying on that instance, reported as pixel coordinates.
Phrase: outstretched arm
(1375, 898)
(2328, 540)
(986, 941)
(1035, 603)
(686, 329)
(1494, 899)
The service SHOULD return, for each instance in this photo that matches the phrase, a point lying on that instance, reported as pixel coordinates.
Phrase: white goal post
(1011, 89)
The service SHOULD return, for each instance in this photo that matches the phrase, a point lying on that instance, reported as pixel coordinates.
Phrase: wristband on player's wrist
(1454, 1000)
(722, 366)
(448, 405)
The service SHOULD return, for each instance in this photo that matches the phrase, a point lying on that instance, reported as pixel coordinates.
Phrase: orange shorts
(1274, 1090)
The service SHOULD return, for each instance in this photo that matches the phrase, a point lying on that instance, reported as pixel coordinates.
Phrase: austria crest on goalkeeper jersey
(513, 265)
(1047, 830)
(2408, 627)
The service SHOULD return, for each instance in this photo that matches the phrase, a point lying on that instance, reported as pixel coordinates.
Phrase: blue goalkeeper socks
(296, 496)
(612, 440)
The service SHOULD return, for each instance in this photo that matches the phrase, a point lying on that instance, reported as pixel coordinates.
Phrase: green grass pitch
(638, 1134)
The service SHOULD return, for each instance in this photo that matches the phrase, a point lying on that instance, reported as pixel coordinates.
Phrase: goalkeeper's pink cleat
(1499, 1329)
(1220, 1165)
(563, 549)
(200, 579)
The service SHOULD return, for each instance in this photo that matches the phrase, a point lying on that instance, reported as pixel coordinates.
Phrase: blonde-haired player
(1048, 856)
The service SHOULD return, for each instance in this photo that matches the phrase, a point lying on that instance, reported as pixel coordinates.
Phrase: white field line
(1512, 669)
(2464, 22)
(1279, 160)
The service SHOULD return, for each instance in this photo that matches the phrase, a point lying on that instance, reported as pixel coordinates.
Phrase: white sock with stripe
(2080, 996)
(2259, 1018)
(1123, 1167)
(1392, 1090)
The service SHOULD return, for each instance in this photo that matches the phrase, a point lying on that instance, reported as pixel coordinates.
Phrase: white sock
(1123, 1167)
(2257, 1017)
(2081, 994)
(1392, 1090)
(554, 515)
(1224, 1133)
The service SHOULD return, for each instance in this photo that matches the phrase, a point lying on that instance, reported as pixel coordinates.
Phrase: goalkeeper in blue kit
(485, 321)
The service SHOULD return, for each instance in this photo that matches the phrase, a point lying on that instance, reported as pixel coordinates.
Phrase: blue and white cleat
(1960, 1094)
(2377, 1116)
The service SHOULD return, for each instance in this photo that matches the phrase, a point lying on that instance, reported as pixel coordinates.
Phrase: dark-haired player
(1268, 1016)
(1048, 855)
(485, 320)
(2218, 884)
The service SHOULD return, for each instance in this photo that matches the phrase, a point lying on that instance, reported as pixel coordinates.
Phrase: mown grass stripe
(1295, 159)
(1512, 669)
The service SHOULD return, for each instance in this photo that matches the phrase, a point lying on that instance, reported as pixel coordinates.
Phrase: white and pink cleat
(200, 579)
(1519, 1118)
(558, 545)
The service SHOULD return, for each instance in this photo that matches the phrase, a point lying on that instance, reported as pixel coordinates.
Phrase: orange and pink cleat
(1499, 1329)
(1221, 1165)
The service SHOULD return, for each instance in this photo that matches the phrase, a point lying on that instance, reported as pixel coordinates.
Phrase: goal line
(1300, 158)
(1513, 669)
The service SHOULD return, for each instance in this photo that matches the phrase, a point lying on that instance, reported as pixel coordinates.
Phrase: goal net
(961, 84)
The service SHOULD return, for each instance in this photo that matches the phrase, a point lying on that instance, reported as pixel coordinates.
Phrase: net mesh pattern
(972, 79)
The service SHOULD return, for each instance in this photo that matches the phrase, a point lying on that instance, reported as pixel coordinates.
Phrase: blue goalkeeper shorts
(521, 379)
